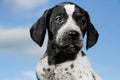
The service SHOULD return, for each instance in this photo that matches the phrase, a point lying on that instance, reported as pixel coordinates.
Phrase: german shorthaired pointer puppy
(67, 24)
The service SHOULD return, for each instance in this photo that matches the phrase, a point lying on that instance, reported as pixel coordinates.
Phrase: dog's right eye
(58, 19)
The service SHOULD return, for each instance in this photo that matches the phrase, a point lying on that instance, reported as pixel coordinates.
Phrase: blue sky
(19, 54)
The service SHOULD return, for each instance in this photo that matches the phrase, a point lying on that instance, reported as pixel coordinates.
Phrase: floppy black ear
(92, 36)
(38, 30)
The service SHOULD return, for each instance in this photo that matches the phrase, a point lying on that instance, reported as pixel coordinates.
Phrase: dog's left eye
(83, 20)
(80, 18)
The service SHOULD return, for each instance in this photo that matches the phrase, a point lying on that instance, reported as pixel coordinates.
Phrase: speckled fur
(78, 69)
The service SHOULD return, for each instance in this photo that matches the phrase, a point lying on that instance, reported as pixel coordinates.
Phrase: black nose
(73, 34)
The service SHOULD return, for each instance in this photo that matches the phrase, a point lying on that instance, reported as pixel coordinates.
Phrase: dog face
(67, 24)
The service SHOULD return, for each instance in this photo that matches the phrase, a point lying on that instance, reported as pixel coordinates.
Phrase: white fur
(82, 69)
(43, 63)
(69, 9)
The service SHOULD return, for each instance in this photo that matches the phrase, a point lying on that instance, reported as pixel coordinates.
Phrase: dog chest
(79, 69)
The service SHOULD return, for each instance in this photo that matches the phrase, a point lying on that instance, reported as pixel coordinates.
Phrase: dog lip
(70, 45)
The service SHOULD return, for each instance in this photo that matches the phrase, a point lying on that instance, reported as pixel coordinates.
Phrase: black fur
(59, 55)
(38, 30)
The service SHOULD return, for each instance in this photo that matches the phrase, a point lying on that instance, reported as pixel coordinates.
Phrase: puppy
(67, 24)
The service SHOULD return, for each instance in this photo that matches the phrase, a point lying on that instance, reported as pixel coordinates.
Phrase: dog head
(67, 25)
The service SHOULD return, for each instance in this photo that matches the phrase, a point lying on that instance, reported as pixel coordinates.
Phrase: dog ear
(38, 30)
(92, 36)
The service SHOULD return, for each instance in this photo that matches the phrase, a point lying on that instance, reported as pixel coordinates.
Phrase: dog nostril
(73, 34)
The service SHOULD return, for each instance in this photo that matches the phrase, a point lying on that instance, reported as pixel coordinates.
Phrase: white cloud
(26, 4)
(20, 6)
(24, 75)
(17, 40)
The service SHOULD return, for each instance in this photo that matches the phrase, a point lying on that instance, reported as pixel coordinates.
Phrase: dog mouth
(70, 43)
(71, 46)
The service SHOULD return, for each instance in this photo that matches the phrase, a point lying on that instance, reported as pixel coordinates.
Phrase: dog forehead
(64, 8)
(69, 8)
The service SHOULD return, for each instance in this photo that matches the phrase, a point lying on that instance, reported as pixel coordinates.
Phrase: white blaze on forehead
(69, 9)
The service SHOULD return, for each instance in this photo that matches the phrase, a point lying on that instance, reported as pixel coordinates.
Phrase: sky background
(19, 54)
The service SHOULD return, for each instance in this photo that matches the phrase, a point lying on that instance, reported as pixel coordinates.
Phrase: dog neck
(57, 55)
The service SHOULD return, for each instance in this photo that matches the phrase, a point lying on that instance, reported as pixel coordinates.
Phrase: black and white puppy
(67, 25)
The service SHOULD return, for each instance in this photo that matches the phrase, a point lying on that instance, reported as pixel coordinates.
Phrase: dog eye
(58, 18)
(83, 20)
(80, 18)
